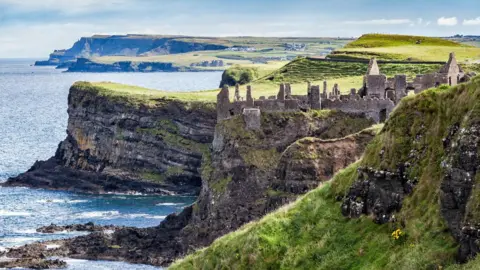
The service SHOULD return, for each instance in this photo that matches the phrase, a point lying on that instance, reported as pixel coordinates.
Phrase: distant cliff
(86, 65)
(130, 45)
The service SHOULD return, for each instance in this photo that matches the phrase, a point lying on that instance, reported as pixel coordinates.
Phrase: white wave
(106, 215)
(77, 201)
(2, 249)
(61, 201)
(156, 217)
(19, 239)
(73, 261)
(4, 213)
(52, 246)
(99, 214)
(51, 201)
(108, 231)
(168, 204)
(147, 216)
(135, 215)
(26, 231)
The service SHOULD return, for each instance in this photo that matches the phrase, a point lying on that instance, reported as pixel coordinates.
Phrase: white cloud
(27, 39)
(419, 21)
(475, 21)
(428, 23)
(379, 22)
(67, 6)
(452, 21)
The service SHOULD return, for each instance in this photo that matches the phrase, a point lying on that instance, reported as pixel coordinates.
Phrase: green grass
(405, 48)
(145, 96)
(304, 69)
(311, 233)
(386, 40)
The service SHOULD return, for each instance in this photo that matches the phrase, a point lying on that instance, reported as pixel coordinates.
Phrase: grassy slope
(312, 234)
(347, 75)
(398, 47)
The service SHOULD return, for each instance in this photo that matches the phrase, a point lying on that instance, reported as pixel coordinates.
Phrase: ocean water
(33, 120)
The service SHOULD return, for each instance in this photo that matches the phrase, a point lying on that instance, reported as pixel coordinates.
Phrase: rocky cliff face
(248, 175)
(130, 45)
(245, 175)
(116, 144)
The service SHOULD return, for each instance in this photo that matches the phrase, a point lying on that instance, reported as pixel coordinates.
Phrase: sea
(33, 121)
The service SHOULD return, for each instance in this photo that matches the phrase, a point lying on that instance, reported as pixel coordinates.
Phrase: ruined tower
(281, 92)
(223, 104)
(452, 70)
(373, 68)
(237, 93)
(374, 82)
(250, 102)
(314, 98)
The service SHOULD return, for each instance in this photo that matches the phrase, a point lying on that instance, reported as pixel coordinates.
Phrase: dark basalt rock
(33, 264)
(377, 192)
(461, 165)
(87, 227)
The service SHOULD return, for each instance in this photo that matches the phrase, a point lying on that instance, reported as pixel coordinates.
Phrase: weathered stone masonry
(375, 99)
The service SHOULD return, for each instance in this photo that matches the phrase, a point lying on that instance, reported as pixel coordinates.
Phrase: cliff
(245, 175)
(137, 141)
(130, 45)
(410, 203)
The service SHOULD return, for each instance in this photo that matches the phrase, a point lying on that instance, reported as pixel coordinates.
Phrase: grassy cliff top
(384, 40)
(137, 94)
(311, 233)
(405, 48)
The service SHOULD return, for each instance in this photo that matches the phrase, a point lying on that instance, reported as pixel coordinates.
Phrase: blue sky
(33, 28)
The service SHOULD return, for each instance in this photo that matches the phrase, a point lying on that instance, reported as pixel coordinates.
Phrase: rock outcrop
(116, 143)
(428, 153)
(87, 227)
(240, 183)
(312, 160)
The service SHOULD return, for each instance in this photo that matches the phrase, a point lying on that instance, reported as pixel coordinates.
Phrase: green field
(302, 70)
(264, 50)
(406, 48)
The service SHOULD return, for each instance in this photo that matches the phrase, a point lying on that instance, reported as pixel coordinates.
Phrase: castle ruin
(375, 99)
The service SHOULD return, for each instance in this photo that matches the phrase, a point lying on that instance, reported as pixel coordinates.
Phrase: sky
(34, 28)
